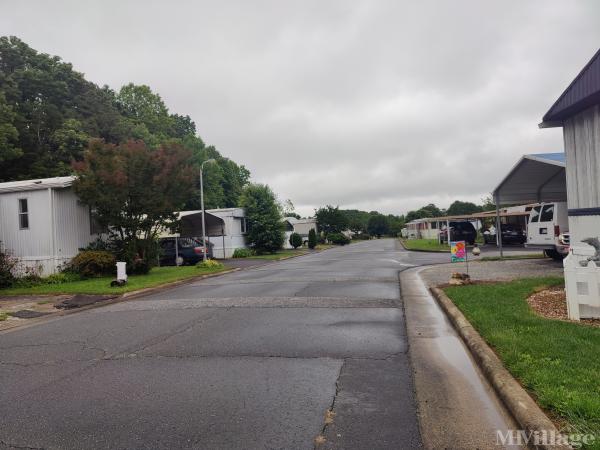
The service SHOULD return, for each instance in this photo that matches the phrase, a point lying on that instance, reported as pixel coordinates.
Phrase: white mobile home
(300, 226)
(43, 223)
(577, 111)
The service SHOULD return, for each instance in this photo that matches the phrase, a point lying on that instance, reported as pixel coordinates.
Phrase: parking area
(504, 270)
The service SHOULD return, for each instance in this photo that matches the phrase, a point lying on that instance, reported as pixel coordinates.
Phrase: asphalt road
(252, 359)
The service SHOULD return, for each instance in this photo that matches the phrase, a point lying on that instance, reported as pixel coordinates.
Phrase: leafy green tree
(134, 192)
(462, 208)
(295, 240)
(378, 225)
(312, 238)
(48, 112)
(488, 203)
(331, 220)
(265, 226)
(142, 106)
(9, 136)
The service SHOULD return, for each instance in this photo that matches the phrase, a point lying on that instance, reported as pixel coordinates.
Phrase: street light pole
(202, 206)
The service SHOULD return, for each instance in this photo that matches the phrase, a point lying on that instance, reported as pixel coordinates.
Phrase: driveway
(275, 356)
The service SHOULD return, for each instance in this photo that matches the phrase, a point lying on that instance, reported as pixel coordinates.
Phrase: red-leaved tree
(134, 191)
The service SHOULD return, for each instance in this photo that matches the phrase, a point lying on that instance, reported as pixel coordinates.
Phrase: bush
(243, 253)
(90, 264)
(60, 278)
(295, 240)
(361, 237)
(338, 239)
(8, 265)
(209, 264)
(312, 238)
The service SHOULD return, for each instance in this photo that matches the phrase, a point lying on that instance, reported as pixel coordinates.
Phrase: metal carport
(535, 178)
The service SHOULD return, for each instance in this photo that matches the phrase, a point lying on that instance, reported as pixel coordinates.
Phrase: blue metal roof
(558, 157)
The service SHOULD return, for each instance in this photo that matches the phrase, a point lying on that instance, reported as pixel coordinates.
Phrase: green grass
(3, 316)
(430, 245)
(281, 254)
(156, 277)
(521, 256)
(556, 361)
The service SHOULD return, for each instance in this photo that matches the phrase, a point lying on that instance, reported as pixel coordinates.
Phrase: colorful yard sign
(458, 251)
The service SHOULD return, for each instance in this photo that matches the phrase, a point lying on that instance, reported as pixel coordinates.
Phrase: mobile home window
(23, 214)
(244, 225)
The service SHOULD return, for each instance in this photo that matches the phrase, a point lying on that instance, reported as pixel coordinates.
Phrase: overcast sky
(376, 105)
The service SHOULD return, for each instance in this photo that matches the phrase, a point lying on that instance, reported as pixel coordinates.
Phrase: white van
(548, 229)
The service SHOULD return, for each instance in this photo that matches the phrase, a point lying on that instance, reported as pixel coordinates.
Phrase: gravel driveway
(494, 270)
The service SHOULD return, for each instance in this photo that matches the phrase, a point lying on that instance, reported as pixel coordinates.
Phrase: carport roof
(535, 178)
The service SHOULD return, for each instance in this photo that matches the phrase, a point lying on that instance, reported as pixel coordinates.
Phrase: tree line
(49, 114)
(457, 208)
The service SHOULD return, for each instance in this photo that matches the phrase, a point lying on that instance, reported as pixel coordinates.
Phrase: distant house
(43, 223)
(300, 226)
(577, 111)
(225, 228)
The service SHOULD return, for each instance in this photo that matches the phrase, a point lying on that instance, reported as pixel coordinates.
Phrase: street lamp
(202, 206)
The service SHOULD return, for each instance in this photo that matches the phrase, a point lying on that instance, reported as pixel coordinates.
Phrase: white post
(498, 225)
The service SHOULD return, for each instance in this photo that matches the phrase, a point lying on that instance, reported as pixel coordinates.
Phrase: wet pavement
(250, 359)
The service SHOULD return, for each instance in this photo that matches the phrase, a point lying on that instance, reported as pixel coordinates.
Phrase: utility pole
(202, 206)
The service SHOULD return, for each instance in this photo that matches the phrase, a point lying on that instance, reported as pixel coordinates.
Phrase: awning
(534, 179)
(191, 224)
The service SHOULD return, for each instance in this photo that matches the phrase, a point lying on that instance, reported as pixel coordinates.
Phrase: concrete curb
(522, 407)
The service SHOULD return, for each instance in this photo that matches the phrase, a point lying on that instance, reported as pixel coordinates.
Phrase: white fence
(583, 286)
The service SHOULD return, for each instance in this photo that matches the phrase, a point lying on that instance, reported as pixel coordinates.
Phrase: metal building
(43, 223)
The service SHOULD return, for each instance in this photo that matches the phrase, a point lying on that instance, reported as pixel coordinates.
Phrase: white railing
(582, 284)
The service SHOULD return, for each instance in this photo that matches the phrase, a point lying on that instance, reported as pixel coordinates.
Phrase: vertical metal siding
(582, 146)
(72, 223)
(35, 241)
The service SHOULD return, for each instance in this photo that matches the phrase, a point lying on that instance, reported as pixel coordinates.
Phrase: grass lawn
(281, 254)
(430, 245)
(556, 361)
(156, 277)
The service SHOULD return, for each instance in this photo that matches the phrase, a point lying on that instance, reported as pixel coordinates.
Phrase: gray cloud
(382, 105)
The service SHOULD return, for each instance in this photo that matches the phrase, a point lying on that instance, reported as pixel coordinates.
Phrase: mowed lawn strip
(156, 277)
(281, 254)
(430, 245)
(557, 362)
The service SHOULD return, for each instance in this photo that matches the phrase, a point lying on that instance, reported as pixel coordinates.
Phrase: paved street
(253, 359)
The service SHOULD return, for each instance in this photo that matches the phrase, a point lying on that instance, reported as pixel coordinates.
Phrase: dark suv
(189, 251)
(460, 231)
(511, 234)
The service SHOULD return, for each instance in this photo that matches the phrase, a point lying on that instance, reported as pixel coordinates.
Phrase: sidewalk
(457, 407)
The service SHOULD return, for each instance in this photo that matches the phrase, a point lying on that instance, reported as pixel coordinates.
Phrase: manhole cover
(28, 314)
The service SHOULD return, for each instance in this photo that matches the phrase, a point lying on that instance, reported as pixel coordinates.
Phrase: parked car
(511, 234)
(189, 251)
(460, 231)
(548, 229)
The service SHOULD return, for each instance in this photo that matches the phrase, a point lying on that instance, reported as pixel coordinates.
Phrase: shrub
(209, 264)
(295, 240)
(243, 253)
(60, 278)
(361, 237)
(90, 263)
(338, 239)
(8, 265)
(312, 238)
